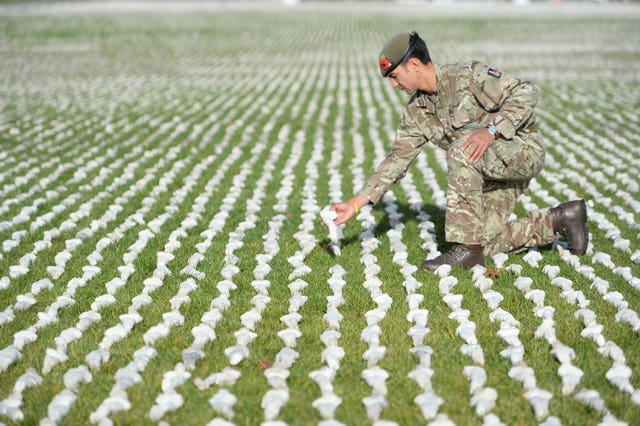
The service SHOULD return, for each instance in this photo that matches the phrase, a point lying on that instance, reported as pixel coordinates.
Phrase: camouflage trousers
(481, 196)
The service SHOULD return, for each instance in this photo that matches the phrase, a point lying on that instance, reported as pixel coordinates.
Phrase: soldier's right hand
(344, 210)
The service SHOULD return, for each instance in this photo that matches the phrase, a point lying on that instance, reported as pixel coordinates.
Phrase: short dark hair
(418, 49)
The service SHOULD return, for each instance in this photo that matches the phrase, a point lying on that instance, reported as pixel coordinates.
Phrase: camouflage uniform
(480, 195)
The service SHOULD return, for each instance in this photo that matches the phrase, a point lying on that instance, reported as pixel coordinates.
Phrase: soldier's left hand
(478, 142)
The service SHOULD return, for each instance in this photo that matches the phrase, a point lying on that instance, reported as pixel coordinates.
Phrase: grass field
(162, 170)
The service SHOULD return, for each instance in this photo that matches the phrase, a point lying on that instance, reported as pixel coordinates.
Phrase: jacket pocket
(464, 113)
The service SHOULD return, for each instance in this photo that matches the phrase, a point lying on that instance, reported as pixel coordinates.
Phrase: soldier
(484, 119)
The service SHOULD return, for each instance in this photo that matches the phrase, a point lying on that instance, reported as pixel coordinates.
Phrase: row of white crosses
(428, 401)
(439, 196)
(509, 330)
(55, 271)
(66, 337)
(374, 375)
(27, 155)
(95, 358)
(170, 399)
(483, 398)
(49, 316)
(223, 401)
(84, 210)
(83, 160)
(619, 374)
(332, 355)
(603, 173)
(28, 299)
(570, 374)
(130, 374)
(277, 374)
(139, 153)
(328, 401)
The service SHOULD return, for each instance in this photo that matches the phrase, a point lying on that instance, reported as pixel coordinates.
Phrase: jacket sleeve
(407, 146)
(510, 99)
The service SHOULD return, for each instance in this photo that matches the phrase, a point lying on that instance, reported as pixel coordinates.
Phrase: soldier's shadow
(436, 215)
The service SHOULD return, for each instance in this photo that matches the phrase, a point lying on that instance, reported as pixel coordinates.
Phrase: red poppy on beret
(384, 64)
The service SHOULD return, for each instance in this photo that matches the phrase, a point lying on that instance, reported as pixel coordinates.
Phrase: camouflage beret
(395, 52)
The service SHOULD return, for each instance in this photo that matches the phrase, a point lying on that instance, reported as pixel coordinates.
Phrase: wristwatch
(493, 130)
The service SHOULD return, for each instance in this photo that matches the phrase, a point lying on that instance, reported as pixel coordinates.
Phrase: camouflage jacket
(469, 96)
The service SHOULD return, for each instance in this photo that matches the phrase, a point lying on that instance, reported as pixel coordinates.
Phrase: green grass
(169, 91)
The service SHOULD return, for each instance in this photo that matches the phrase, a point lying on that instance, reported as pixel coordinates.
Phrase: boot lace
(453, 255)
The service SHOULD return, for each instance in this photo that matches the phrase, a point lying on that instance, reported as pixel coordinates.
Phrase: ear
(414, 64)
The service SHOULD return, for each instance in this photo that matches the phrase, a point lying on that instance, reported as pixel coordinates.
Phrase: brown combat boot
(466, 256)
(570, 220)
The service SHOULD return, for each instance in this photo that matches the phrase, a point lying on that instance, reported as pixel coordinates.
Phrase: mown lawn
(161, 176)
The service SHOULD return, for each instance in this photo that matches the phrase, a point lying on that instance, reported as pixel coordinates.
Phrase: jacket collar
(423, 99)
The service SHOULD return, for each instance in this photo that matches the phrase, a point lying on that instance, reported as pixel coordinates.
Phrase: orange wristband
(355, 205)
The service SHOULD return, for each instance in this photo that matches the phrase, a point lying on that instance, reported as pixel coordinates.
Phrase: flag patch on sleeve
(492, 71)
